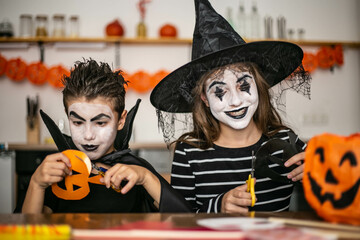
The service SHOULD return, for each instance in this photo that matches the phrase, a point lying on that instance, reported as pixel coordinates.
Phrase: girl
(225, 88)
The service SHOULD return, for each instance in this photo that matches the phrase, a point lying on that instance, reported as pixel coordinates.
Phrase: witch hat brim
(64, 142)
(216, 44)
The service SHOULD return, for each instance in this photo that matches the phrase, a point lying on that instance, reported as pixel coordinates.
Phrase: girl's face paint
(93, 126)
(232, 97)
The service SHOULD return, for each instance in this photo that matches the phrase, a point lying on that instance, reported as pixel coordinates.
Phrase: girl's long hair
(206, 127)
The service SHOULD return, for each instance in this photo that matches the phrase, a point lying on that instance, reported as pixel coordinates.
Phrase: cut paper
(238, 223)
(76, 185)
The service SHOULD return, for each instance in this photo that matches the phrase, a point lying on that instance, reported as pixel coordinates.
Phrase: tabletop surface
(182, 221)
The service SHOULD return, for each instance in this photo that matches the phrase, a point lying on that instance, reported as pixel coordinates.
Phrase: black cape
(170, 200)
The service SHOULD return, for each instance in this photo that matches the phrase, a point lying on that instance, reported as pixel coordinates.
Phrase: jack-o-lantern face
(76, 185)
(332, 177)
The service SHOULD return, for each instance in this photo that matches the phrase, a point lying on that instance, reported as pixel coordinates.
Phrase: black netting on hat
(298, 81)
(173, 125)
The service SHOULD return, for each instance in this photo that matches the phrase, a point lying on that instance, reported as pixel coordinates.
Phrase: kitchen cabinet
(7, 181)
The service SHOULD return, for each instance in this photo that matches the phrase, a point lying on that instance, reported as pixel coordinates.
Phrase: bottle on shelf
(59, 25)
(26, 25)
(254, 32)
(74, 26)
(41, 26)
(242, 21)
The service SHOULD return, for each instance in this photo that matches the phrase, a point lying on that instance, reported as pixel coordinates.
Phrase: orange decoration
(332, 177)
(114, 29)
(168, 30)
(309, 62)
(76, 185)
(96, 179)
(339, 55)
(157, 77)
(3, 63)
(140, 81)
(326, 57)
(55, 74)
(36, 73)
(16, 69)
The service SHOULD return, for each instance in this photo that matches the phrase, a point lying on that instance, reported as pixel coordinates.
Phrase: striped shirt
(204, 176)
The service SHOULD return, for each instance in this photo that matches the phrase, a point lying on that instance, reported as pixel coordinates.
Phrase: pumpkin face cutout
(332, 177)
(76, 185)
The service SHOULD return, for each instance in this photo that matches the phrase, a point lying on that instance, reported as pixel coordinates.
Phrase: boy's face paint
(93, 126)
(232, 97)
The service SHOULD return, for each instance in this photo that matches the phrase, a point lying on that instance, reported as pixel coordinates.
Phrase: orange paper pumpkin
(332, 177)
(157, 77)
(55, 74)
(36, 73)
(309, 62)
(76, 185)
(16, 69)
(3, 62)
(326, 57)
(140, 82)
(339, 55)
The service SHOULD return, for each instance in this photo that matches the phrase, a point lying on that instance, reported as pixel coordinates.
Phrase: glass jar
(26, 25)
(41, 26)
(74, 26)
(59, 25)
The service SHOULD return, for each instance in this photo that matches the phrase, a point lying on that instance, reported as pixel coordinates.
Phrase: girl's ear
(122, 119)
(204, 99)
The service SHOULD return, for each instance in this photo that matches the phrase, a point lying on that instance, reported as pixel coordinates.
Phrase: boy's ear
(204, 99)
(122, 119)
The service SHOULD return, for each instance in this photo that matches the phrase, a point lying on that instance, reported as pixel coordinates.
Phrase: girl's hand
(236, 200)
(297, 173)
(135, 175)
(53, 169)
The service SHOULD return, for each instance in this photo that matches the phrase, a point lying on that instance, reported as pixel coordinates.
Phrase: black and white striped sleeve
(182, 177)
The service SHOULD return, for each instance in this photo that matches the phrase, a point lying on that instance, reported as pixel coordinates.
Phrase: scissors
(250, 182)
(102, 172)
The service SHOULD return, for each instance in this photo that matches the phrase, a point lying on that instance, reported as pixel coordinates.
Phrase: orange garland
(141, 81)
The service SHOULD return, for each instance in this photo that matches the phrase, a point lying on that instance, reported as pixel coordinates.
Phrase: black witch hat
(216, 44)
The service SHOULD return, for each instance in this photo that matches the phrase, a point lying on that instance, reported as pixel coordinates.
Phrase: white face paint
(93, 127)
(232, 97)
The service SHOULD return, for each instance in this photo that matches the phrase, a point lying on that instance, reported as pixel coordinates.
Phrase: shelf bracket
(117, 55)
(42, 50)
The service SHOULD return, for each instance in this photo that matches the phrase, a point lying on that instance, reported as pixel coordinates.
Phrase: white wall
(334, 106)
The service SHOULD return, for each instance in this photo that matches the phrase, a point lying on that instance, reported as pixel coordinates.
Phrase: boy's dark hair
(90, 80)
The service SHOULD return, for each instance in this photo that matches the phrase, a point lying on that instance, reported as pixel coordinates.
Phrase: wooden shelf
(162, 41)
(99, 39)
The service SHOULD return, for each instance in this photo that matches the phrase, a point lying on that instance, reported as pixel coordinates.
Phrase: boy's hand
(237, 200)
(53, 169)
(297, 173)
(120, 172)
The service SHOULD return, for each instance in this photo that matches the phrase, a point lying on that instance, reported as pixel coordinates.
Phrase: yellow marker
(251, 181)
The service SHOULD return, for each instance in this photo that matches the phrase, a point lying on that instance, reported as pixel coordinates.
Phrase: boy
(94, 101)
